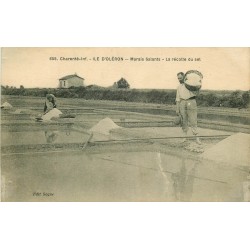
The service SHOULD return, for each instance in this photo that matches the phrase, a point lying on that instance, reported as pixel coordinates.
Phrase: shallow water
(122, 176)
(119, 176)
(42, 137)
(206, 116)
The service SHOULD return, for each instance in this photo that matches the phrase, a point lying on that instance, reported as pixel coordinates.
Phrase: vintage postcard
(125, 124)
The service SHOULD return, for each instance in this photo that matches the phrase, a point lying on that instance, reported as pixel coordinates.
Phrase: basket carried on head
(193, 80)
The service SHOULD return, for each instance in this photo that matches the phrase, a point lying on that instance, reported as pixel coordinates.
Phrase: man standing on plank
(186, 101)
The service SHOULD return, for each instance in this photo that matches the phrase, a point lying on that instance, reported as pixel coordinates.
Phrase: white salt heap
(232, 150)
(104, 126)
(54, 113)
(6, 105)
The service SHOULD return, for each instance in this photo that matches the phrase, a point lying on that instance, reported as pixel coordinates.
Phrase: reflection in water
(183, 182)
(179, 186)
(68, 129)
(168, 182)
(51, 136)
(190, 183)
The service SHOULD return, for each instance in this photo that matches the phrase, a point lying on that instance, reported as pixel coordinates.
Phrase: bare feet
(198, 141)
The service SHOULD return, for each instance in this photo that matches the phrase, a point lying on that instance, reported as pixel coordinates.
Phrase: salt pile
(6, 105)
(233, 150)
(54, 113)
(104, 126)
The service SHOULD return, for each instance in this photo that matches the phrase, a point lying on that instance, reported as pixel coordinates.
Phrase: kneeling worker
(50, 110)
(186, 101)
(50, 103)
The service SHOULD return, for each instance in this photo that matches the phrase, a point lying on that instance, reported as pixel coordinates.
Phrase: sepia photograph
(125, 124)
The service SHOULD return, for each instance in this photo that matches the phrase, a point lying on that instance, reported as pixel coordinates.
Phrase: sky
(223, 68)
